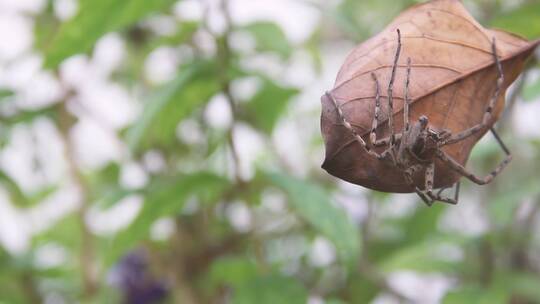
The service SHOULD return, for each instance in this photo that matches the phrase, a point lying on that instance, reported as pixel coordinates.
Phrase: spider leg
(349, 127)
(372, 135)
(390, 91)
(478, 180)
(386, 141)
(456, 191)
(487, 115)
(407, 101)
(408, 178)
(430, 175)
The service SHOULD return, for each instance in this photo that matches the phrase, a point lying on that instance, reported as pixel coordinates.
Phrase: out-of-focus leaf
(232, 271)
(524, 20)
(361, 19)
(422, 223)
(166, 198)
(17, 196)
(41, 194)
(531, 91)
(5, 93)
(312, 45)
(184, 33)
(477, 295)
(344, 16)
(269, 37)
(519, 283)
(502, 206)
(314, 205)
(360, 289)
(105, 188)
(164, 109)
(29, 116)
(64, 232)
(104, 180)
(94, 19)
(413, 229)
(110, 198)
(270, 290)
(422, 256)
(334, 301)
(268, 104)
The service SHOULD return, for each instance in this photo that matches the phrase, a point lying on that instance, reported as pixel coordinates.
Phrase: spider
(418, 145)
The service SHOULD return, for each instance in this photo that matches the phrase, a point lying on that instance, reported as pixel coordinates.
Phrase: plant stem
(87, 254)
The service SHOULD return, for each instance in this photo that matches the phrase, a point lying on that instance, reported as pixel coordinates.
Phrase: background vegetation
(185, 168)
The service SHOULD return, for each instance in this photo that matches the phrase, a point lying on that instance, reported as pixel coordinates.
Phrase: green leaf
(524, 20)
(314, 205)
(29, 116)
(502, 206)
(422, 256)
(16, 195)
(524, 284)
(477, 295)
(334, 301)
(5, 93)
(113, 196)
(313, 47)
(270, 290)
(94, 19)
(268, 104)
(361, 19)
(359, 289)
(269, 37)
(184, 33)
(64, 232)
(166, 198)
(41, 194)
(232, 271)
(164, 109)
(423, 223)
(531, 91)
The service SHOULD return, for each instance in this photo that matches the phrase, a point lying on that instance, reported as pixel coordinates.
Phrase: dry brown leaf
(453, 77)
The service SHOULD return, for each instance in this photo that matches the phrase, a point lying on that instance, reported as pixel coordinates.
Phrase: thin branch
(87, 255)
(224, 55)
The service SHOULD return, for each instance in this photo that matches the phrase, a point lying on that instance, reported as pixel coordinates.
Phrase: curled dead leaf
(453, 76)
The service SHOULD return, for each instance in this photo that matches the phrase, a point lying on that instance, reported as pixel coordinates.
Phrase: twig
(224, 57)
(87, 256)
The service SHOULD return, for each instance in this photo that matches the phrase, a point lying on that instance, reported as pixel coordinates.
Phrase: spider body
(417, 145)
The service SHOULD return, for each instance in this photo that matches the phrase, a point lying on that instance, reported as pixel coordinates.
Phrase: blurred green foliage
(205, 258)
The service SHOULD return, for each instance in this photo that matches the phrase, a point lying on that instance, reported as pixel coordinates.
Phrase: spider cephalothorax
(416, 148)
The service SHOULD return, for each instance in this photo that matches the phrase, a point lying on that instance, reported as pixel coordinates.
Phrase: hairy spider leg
(429, 177)
(408, 178)
(456, 191)
(478, 180)
(390, 91)
(487, 115)
(373, 135)
(406, 103)
(393, 136)
(349, 127)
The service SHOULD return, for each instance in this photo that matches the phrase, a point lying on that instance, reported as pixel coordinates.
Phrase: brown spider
(418, 145)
